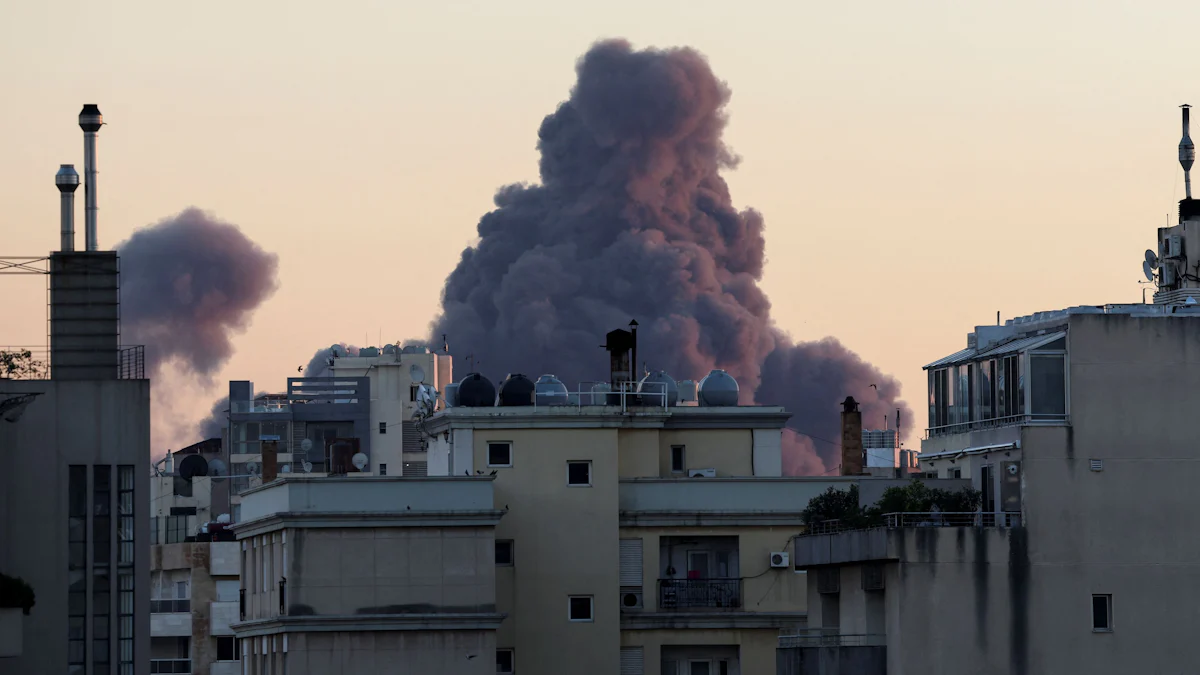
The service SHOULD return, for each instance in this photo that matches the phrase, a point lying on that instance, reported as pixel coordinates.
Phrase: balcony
(1052, 419)
(823, 651)
(170, 618)
(170, 606)
(170, 666)
(677, 594)
(33, 363)
(908, 537)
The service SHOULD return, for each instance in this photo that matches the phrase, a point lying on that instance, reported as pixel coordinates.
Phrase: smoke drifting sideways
(188, 283)
(632, 219)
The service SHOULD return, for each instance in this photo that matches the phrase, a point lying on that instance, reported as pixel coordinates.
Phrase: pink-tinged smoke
(632, 219)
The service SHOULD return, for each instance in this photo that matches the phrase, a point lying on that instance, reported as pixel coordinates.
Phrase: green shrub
(14, 593)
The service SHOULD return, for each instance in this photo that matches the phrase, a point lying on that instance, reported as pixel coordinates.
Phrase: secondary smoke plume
(319, 363)
(633, 220)
(188, 283)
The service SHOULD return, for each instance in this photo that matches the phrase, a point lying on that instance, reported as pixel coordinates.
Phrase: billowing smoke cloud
(319, 363)
(188, 283)
(633, 220)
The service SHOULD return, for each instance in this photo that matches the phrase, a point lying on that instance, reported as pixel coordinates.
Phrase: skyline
(898, 324)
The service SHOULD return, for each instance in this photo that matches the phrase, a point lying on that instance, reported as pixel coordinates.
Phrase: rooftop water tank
(414, 349)
(476, 391)
(390, 349)
(718, 389)
(368, 351)
(451, 395)
(687, 391)
(600, 394)
(549, 390)
(516, 389)
(654, 385)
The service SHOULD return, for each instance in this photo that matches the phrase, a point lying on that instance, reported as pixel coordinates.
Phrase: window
(504, 661)
(579, 608)
(412, 393)
(383, 427)
(677, 463)
(504, 552)
(579, 474)
(227, 649)
(1048, 375)
(383, 469)
(956, 472)
(176, 529)
(500, 454)
(1101, 613)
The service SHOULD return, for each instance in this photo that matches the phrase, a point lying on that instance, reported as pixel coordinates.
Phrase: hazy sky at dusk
(920, 165)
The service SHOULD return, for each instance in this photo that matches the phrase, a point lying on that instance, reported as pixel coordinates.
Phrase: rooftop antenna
(1187, 153)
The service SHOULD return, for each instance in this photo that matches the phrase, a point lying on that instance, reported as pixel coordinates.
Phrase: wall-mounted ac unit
(1174, 246)
(631, 599)
(702, 473)
(779, 559)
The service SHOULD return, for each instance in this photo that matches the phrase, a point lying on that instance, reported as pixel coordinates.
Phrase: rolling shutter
(631, 563)
(632, 657)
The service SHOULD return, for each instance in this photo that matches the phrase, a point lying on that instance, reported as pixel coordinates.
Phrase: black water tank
(516, 389)
(476, 391)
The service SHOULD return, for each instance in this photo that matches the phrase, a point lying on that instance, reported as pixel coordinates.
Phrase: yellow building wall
(756, 652)
(565, 543)
(729, 451)
(638, 453)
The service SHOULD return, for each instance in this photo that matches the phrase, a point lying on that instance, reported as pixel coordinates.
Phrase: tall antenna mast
(1187, 152)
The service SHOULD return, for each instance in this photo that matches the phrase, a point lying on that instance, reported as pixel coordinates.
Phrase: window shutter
(631, 658)
(631, 563)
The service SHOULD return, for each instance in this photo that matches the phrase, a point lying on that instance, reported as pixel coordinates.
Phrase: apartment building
(639, 536)
(372, 574)
(194, 591)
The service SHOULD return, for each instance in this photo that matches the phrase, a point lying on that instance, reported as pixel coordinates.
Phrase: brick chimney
(852, 443)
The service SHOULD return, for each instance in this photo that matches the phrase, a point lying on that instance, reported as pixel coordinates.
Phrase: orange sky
(920, 165)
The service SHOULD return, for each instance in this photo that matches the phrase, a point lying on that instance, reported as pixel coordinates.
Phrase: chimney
(637, 375)
(67, 181)
(852, 442)
(270, 461)
(90, 120)
(619, 343)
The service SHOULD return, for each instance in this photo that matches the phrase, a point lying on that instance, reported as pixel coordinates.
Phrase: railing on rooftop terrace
(1011, 420)
(830, 637)
(33, 363)
(894, 521)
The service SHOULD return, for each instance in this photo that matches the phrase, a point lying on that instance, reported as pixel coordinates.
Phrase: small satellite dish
(253, 468)
(306, 445)
(286, 468)
(360, 461)
(1148, 270)
(338, 351)
(1151, 259)
(193, 466)
(1190, 301)
(417, 373)
(307, 466)
(218, 470)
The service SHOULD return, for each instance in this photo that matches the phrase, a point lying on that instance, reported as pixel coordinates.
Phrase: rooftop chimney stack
(852, 440)
(90, 120)
(67, 181)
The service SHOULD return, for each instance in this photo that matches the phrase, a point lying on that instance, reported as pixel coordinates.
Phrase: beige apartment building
(1077, 427)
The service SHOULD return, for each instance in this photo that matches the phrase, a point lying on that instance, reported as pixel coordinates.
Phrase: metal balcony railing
(950, 519)
(1007, 421)
(170, 606)
(830, 637)
(33, 363)
(699, 593)
(170, 666)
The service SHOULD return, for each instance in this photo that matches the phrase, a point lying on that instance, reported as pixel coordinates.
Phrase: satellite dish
(253, 468)
(193, 466)
(1190, 301)
(286, 468)
(417, 373)
(218, 470)
(307, 466)
(1148, 270)
(1151, 259)
(306, 445)
(360, 461)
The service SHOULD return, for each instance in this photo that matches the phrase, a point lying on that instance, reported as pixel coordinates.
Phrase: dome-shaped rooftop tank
(600, 394)
(516, 389)
(549, 390)
(451, 395)
(654, 385)
(718, 388)
(476, 391)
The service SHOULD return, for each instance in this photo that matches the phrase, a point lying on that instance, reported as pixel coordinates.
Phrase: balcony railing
(830, 637)
(33, 363)
(1011, 420)
(170, 606)
(699, 593)
(951, 519)
(170, 666)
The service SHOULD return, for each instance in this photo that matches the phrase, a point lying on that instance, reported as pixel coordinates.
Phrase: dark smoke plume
(319, 363)
(188, 283)
(633, 220)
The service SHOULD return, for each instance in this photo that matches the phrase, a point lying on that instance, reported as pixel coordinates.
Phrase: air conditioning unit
(702, 473)
(779, 559)
(1174, 246)
(1167, 274)
(631, 599)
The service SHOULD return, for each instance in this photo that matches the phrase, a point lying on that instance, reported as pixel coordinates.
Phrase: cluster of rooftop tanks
(658, 389)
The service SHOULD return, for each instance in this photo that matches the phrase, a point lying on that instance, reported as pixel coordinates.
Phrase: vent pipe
(67, 181)
(90, 120)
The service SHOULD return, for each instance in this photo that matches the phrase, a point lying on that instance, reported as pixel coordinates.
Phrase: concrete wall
(566, 544)
(72, 422)
(696, 495)
(364, 494)
(729, 451)
(392, 653)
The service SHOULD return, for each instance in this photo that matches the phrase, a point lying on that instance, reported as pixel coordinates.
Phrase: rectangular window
(227, 649)
(505, 663)
(579, 608)
(499, 453)
(125, 515)
(176, 529)
(1101, 613)
(504, 552)
(1048, 375)
(579, 474)
(412, 393)
(383, 427)
(383, 469)
(677, 463)
(101, 514)
(125, 621)
(77, 479)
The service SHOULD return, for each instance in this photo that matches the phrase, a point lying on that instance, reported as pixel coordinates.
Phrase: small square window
(504, 552)
(579, 608)
(383, 469)
(227, 649)
(504, 661)
(1101, 613)
(383, 427)
(500, 454)
(579, 474)
(677, 463)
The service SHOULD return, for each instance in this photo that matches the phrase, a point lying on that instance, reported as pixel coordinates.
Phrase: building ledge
(367, 622)
(712, 620)
(710, 519)
(350, 519)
